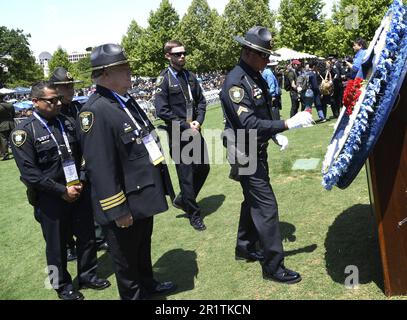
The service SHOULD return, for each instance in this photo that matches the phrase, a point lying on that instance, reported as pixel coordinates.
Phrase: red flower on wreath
(352, 94)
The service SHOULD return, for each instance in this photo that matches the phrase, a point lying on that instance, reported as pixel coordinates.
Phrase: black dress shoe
(197, 223)
(71, 254)
(70, 295)
(104, 246)
(248, 256)
(163, 288)
(97, 284)
(286, 276)
(178, 203)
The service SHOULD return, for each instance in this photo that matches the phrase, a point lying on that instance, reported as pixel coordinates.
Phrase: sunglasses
(263, 55)
(53, 100)
(178, 54)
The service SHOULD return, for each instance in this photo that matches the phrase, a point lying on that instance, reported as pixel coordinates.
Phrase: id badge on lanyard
(68, 162)
(153, 149)
(147, 138)
(71, 174)
(188, 102)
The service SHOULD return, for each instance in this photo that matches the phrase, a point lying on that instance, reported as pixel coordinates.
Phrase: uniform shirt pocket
(133, 145)
(139, 174)
(47, 152)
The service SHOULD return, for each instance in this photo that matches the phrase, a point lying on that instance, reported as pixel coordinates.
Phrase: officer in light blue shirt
(274, 90)
(359, 46)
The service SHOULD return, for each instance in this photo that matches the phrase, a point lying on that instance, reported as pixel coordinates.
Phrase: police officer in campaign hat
(127, 172)
(246, 105)
(180, 102)
(64, 83)
(48, 156)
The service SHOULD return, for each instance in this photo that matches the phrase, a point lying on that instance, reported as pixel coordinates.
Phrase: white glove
(300, 120)
(282, 141)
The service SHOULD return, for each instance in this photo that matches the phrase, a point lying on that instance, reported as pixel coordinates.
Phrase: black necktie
(182, 80)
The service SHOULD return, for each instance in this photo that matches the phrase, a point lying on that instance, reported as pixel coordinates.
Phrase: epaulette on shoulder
(26, 122)
(93, 98)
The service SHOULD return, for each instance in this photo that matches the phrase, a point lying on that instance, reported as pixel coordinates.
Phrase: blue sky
(77, 24)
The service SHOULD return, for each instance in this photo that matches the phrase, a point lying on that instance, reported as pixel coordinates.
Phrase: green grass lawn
(323, 232)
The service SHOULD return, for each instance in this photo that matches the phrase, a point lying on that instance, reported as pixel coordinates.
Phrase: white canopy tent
(289, 54)
(5, 91)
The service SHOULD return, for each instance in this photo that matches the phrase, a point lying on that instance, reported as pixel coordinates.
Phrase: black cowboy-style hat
(107, 55)
(62, 76)
(259, 39)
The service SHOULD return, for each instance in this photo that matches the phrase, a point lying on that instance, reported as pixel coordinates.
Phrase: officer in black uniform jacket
(245, 102)
(39, 149)
(65, 83)
(128, 188)
(65, 87)
(180, 102)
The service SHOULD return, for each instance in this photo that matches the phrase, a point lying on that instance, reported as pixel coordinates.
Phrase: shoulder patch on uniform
(236, 94)
(19, 137)
(159, 81)
(86, 120)
(241, 110)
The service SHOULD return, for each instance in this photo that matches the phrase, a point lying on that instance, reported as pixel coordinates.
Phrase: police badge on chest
(257, 93)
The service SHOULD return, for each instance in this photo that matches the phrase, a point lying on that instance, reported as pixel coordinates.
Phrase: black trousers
(130, 249)
(100, 237)
(275, 108)
(295, 103)
(57, 217)
(337, 99)
(191, 176)
(259, 218)
(4, 138)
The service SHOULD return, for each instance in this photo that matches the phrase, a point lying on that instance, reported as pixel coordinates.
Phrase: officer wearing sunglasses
(246, 105)
(47, 153)
(180, 102)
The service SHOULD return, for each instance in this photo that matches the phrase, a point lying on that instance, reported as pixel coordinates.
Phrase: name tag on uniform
(153, 149)
(71, 175)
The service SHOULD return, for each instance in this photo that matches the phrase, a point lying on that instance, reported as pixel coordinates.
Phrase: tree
(131, 44)
(60, 59)
(82, 70)
(17, 59)
(148, 51)
(196, 30)
(353, 19)
(302, 25)
(238, 18)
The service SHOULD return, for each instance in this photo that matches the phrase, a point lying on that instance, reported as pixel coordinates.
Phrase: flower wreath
(368, 103)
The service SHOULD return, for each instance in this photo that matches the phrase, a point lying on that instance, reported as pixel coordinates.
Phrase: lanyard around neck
(187, 83)
(123, 106)
(68, 147)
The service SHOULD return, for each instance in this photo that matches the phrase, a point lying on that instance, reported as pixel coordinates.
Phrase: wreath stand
(387, 177)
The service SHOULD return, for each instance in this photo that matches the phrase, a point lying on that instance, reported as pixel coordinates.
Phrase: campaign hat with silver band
(107, 56)
(257, 38)
(62, 76)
